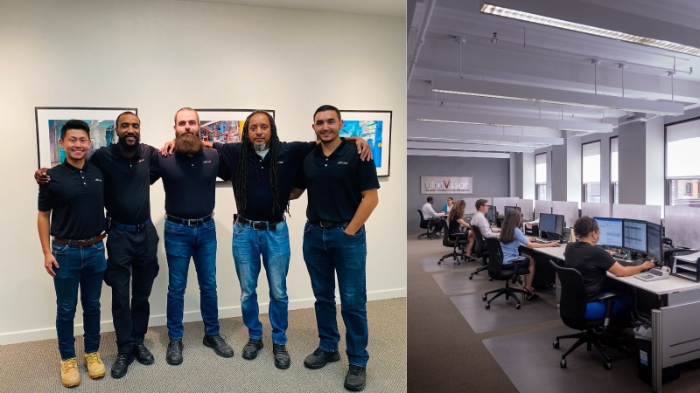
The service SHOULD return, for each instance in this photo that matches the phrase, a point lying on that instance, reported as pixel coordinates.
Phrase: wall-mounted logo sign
(445, 185)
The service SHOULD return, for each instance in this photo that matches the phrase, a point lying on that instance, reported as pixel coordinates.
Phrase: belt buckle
(258, 225)
(192, 222)
(138, 227)
(320, 223)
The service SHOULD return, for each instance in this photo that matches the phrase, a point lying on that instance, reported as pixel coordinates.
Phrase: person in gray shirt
(479, 220)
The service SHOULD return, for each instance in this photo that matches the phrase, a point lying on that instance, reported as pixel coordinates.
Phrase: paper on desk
(689, 257)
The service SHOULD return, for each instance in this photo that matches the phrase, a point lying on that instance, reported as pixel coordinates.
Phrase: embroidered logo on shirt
(280, 162)
(141, 160)
(96, 179)
(342, 163)
(207, 162)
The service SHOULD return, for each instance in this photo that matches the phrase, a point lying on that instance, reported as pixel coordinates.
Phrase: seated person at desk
(593, 263)
(512, 238)
(429, 213)
(457, 223)
(448, 205)
(479, 219)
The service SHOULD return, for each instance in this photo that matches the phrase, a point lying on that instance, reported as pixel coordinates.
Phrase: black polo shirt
(189, 182)
(75, 197)
(127, 182)
(335, 183)
(259, 199)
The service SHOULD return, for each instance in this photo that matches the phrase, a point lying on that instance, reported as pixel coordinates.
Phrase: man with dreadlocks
(264, 169)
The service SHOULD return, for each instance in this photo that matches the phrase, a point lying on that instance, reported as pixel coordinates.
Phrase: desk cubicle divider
(470, 203)
(567, 209)
(526, 207)
(542, 207)
(502, 202)
(596, 210)
(681, 223)
(651, 213)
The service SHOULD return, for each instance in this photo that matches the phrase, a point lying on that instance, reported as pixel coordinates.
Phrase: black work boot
(355, 378)
(282, 360)
(218, 344)
(142, 354)
(319, 359)
(174, 353)
(250, 351)
(121, 365)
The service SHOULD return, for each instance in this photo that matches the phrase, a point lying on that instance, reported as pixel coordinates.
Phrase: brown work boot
(69, 373)
(96, 369)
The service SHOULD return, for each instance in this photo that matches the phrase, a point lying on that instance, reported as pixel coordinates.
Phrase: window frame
(546, 163)
(614, 186)
(583, 185)
(667, 181)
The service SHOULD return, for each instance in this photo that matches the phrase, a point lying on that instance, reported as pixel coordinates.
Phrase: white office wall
(162, 55)
(655, 161)
(573, 169)
(528, 176)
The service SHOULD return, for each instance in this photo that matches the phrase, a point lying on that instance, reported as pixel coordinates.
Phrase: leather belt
(131, 228)
(331, 224)
(192, 222)
(80, 243)
(258, 225)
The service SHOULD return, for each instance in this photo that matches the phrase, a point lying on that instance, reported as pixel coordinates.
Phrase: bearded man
(189, 178)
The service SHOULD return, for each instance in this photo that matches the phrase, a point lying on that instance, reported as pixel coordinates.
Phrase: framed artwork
(375, 128)
(49, 121)
(224, 125)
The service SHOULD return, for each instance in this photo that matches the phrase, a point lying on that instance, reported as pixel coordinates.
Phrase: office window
(591, 172)
(614, 168)
(541, 177)
(682, 171)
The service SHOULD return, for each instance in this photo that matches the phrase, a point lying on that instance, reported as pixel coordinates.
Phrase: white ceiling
(529, 54)
(393, 8)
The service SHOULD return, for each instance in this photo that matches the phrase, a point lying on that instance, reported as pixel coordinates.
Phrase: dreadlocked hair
(240, 188)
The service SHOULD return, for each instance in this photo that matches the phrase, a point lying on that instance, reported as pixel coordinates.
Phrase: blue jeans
(183, 243)
(330, 251)
(79, 267)
(248, 246)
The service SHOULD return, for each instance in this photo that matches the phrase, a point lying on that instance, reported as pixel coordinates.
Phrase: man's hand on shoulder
(41, 176)
(167, 148)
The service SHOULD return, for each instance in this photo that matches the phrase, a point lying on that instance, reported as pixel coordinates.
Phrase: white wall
(528, 176)
(655, 150)
(159, 56)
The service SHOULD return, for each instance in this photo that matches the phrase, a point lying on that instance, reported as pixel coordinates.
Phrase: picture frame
(224, 125)
(49, 121)
(374, 126)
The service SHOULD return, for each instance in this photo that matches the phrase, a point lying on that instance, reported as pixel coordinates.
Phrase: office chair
(480, 251)
(498, 271)
(427, 225)
(456, 241)
(572, 308)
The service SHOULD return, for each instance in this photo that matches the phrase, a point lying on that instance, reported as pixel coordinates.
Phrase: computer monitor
(654, 239)
(551, 223)
(634, 235)
(509, 208)
(610, 231)
(491, 213)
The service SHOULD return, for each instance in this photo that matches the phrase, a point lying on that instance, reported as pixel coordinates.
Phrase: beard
(126, 147)
(188, 144)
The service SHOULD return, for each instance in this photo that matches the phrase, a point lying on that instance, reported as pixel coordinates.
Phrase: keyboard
(651, 275)
(542, 241)
(628, 262)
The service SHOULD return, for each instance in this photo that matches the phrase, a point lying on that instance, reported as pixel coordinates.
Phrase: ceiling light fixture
(581, 28)
(509, 91)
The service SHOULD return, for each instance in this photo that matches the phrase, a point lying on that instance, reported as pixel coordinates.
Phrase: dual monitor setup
(551, 225)
(634, 235)
(492, 214)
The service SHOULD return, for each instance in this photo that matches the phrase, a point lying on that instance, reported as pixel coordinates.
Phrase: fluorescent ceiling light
(434, 116)
(581, 28)
(508, 91)
(442, 153)
(477, 141)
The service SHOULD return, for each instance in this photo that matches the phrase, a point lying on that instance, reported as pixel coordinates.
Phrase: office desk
(675, 325)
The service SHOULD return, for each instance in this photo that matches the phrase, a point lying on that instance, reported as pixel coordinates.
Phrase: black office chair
(498, 271)
(572, 308)
(457, 241)
(481, 251)
(428, 226)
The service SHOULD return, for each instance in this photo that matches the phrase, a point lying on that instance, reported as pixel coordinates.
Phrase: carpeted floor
(33, 366)
(446, 355)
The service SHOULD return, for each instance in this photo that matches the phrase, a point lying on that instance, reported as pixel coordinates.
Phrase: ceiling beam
(417, 129)
(438, 153)
(456, 146)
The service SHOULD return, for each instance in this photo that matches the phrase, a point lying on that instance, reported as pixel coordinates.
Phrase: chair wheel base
(470, 277)
(487, 306)
(555, 344)
(608, 366)
(562, 364)
(517, 307)
(483, 298)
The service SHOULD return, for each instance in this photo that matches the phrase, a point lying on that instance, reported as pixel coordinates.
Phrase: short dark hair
(430, 199)
(187, 108)
(116, 122)
(324, 108)
(585, 225)
(74, 124)
(480, 202)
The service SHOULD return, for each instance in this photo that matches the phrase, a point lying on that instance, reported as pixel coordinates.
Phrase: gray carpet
(502, 314)
(532, 364)
(458, 282)
(430, 265)
(34, 366)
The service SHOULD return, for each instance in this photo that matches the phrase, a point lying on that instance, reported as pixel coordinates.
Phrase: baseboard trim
(189, 316)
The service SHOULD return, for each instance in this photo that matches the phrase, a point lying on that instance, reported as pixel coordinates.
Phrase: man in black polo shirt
(71, 209)
(189, 179)
(342, 195)
(132, 244)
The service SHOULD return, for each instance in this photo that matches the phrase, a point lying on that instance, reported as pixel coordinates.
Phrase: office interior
(577, 107)
(159, 56)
